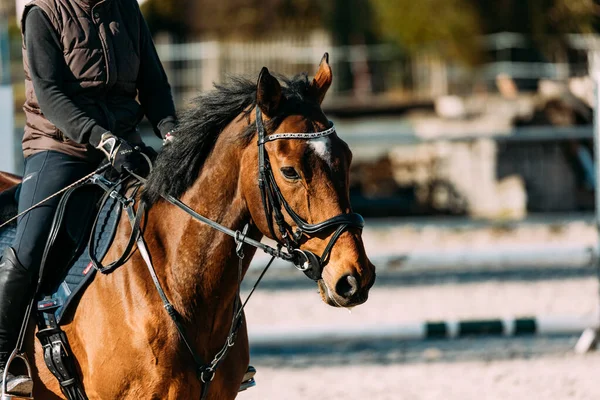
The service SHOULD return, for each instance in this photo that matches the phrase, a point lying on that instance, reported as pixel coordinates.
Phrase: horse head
(307, 184)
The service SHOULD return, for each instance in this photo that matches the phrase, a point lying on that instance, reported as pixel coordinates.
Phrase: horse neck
(200, 266)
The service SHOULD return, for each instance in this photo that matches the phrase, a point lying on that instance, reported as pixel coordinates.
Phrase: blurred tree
(304, 15)
(538, 18)
(411, 23)
(166, 15)
(7, 8)
(544, 22)
(351, 22)
(457, 23)
(452, 24)
(233, 18)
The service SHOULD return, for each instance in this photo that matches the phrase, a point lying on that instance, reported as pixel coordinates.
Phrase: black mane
(179, 163)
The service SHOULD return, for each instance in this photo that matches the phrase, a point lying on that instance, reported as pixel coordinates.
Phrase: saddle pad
(7, 236)
(81, 272)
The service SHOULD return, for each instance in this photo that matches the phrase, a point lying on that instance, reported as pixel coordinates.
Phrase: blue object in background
(587, 163)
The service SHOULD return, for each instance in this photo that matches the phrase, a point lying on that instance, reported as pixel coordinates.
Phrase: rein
(73, 185)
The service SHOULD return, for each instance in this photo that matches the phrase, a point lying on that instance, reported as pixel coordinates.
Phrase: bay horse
(125, 344)
(8, 180)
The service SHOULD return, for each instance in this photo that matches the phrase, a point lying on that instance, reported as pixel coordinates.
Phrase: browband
(312, 135)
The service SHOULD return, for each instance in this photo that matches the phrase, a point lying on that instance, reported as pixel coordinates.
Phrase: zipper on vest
(96, 23)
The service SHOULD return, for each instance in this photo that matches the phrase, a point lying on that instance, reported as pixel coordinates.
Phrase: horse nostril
(347, 286)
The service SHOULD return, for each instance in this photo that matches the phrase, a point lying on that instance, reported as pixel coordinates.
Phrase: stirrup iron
(3, 392)
(248, 381)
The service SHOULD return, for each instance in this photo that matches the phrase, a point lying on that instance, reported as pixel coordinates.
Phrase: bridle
(273, 200)
(274, 203)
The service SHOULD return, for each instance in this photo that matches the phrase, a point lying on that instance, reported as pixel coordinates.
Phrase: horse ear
(323, 78)
(268, 93)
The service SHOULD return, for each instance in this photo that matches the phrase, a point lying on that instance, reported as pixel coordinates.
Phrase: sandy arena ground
(564, 376)
(547, 378)
(304, 307)
(399, 236)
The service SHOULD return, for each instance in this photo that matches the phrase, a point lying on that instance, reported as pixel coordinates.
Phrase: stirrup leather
(4, 395)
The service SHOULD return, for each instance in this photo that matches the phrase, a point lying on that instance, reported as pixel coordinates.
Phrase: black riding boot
(15, 285)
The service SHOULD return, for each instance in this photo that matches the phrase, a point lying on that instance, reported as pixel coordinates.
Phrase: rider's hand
(123, 156)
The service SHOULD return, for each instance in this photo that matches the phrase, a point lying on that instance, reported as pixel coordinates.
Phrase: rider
(86, 62)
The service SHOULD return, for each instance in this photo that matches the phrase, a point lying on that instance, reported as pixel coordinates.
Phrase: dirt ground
(547, 378)
(490, 299)
(381, 237)
(551, 377)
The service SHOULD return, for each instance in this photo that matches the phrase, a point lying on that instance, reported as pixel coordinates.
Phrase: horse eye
(290, 173)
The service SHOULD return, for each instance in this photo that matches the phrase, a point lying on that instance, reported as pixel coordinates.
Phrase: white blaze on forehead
(322, 147)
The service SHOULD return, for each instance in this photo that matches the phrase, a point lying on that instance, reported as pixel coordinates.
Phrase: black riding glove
(123, 156)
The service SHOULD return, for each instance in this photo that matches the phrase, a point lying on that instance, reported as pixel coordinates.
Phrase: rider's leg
(13, 279)
(45, 174)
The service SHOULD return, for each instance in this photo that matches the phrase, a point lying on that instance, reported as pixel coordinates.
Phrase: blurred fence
(360, 70)
(413, 168)
(366, 75)
(366, 71)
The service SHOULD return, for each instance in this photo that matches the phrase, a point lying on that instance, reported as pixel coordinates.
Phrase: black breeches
(45, 174)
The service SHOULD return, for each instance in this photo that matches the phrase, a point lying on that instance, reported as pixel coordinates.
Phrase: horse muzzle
(352, 297)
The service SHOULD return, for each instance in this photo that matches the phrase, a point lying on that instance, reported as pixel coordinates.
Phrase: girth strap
(59, 359)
